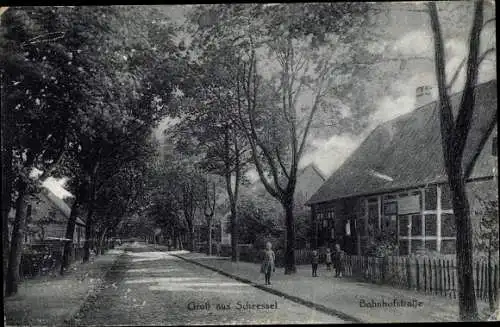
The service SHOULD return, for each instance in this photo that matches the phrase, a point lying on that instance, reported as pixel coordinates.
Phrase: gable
(486, 162)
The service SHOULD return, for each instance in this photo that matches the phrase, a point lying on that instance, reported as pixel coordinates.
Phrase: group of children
(336, 259)
(268, 263)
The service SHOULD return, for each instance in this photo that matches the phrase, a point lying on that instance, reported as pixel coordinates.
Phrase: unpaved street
(148, 287)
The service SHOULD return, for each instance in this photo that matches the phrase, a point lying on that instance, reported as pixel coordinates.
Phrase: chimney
(423, 95)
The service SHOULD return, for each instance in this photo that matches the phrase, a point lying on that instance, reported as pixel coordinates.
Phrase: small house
(396, 180)
(47, 220)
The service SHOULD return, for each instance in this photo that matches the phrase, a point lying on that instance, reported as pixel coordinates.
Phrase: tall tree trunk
(466, 294)
(70, 232)
(88, 236)
(235, 253)
(101, 241)
(6, 200)
(210, 237)
(290, 237)
(192, 240)
(18, 230)
(7, 174)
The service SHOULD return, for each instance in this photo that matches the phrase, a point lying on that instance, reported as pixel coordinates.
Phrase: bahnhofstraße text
(382, 303)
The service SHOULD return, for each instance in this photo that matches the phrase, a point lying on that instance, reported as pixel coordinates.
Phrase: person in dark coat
(315, 262)
(338, 260)
(328, 259)
(268, 263)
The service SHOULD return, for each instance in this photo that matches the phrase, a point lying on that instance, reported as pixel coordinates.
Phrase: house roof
(61, 205)
(407, 151)
(309, 179)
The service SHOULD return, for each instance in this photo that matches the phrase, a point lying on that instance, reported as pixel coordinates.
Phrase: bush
(383, 244)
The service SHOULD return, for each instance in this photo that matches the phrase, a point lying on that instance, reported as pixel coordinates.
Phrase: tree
(32, 90)
(209, 210)
(128, 97)
(454, 134)
(486, 241)
(204, 108)
(272, 111)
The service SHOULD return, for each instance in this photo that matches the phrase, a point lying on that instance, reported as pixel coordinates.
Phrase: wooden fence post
(425, 276)
(448, 273)
(383, 268)
(495, 283)
(431, 289)
(453, 279)
(408, 273)
(435, 277)
(418, 274)
(477, 279)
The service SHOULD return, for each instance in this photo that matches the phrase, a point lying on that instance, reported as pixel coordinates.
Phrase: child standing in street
(268, 263)
(315, 262)
(338, 261)
(328, 259)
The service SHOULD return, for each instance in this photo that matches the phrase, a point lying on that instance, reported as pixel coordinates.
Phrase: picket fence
(425, 274)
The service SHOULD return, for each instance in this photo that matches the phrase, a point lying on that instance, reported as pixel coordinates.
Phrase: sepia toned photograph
(249, 163)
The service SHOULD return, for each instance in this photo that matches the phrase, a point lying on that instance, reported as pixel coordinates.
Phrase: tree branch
(456, 74)
(464, 117)
(446, 115)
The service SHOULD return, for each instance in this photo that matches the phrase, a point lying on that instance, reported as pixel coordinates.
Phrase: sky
(412, 38)
(408, 34)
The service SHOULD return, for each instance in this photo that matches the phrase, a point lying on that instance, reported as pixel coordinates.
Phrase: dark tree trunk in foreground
(290, 267)
(231, 166)
(466, 294)
(70, 232)
(6, 201)
(235, 253)
(7, 175)
(454, 133)
(210, 238)
(88, 236)
(18, 230)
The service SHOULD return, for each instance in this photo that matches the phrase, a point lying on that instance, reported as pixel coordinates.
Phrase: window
(430, 198)
(446, 197)
(362, 208)
(417, 245)
(360, 225)
(28, 211)
(416, 225)
(448, 225)
(403, 247)
(388, 222)
(390, 208)
(430, 245)
(430, 225)
(403, 225)
(373, 213)
(494, 145)
(448, 247)
(389, 197)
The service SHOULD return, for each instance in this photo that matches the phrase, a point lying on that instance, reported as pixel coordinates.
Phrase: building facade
(47, 219)
(395, 183)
